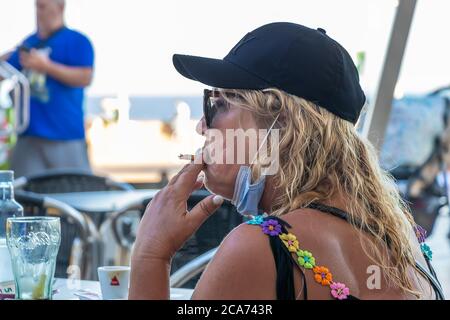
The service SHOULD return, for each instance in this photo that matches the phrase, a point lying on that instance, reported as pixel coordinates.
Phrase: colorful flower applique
(323, 276)
(306, 259)
(271, 227)
(421, 233)
(290, 241)
(339, 291)
(426, 250)
(257, 220)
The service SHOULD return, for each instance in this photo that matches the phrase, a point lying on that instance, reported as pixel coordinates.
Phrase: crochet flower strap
(421, 235)
(274, 227)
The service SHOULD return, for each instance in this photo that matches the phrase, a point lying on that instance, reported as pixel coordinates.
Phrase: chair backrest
(191, 269)
(64, 181)
(207, 237)
(73, 226)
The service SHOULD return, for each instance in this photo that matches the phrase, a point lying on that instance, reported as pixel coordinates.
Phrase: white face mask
(246, 195)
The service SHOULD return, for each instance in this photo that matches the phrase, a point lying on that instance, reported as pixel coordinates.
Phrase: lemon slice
(38, 291)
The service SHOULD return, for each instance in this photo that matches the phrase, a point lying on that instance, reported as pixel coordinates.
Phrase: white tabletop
(103, 201)
(67, 289)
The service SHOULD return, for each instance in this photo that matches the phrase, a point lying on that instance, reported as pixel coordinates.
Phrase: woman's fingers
(175, 178)
(187, 179)
(204, 209)
(198, 184)
(198, 161)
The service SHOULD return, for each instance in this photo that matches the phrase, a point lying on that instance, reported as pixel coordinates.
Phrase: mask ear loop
(264, 140)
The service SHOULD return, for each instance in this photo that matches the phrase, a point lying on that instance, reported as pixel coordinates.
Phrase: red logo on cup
(115, 281)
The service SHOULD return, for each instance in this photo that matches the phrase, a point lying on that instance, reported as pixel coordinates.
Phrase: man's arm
(71, 76)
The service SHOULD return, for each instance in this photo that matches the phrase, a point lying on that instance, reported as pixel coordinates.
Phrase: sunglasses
(212, 104)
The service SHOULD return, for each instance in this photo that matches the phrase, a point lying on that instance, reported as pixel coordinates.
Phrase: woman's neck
(270, 194)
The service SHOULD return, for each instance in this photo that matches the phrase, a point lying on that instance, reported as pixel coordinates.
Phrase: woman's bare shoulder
(242, 268)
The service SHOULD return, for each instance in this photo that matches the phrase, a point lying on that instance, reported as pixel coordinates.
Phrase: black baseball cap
(298, 60)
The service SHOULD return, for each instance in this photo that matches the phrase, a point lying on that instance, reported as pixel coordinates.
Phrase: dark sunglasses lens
(206, 110)
(211, 105)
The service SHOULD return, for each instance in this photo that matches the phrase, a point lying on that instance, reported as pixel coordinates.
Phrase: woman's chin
(216, 186)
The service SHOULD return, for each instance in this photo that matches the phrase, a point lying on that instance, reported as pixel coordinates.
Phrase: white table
(66, 289)
(103, 201)
(98, 205)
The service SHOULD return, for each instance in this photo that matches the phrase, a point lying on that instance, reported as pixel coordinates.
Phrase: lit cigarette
(189, 157)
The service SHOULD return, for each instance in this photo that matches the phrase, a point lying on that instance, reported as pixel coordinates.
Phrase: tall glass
(33, 244)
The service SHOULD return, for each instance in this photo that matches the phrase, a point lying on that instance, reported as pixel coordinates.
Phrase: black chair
(207, 237)
(422, 191)
(74, 225)
(65, 181)
(191, 270)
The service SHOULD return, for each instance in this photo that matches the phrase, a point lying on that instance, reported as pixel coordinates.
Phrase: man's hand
(78, 77)
(35, 61)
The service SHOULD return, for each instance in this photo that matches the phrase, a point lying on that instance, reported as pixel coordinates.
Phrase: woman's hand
(167, 223)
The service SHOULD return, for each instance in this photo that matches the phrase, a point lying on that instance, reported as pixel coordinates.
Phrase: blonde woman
(328, 223)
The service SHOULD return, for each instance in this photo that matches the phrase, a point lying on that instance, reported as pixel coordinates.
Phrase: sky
(134, 40)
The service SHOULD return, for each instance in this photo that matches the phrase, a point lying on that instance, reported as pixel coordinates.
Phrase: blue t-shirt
(56, 109)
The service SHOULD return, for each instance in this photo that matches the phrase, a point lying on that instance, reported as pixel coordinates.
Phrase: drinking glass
(33, 244)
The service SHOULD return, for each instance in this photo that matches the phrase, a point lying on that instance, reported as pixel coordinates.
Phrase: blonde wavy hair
(322, 155)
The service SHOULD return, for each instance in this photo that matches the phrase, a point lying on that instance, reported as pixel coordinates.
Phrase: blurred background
(136, 94)
(140, 113)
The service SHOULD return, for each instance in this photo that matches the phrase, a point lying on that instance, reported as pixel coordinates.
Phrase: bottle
(8, 208)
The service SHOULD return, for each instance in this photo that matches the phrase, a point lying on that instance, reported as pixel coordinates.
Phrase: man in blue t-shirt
(58, 63)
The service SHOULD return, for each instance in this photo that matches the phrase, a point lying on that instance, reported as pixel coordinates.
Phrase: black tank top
(284, 245)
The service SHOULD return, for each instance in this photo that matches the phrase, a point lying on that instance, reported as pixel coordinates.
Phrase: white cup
(114, 282)
(6, 273)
